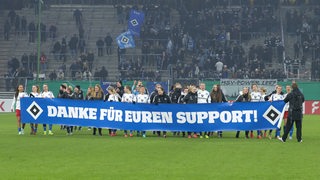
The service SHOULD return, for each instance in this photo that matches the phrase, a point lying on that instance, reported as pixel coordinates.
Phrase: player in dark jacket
(244, 97)
(191, 98)
(161, 98)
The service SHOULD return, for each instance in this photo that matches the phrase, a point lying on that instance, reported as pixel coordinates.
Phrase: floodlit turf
(83, 156)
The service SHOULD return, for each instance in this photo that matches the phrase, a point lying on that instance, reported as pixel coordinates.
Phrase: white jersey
(35, 95)
(276, 97)
(129, 98)
(203, 96)
(256, 97)
(47, 94)
(16, 101)
(114, 97)
(142, 98)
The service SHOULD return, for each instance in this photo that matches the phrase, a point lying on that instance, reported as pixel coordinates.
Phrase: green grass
(83, 156)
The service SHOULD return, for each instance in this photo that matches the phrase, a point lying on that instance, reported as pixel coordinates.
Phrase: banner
(232, 87)
(135, 22)
(5, 105)
(171, 117)
(311, 107)
(125, 40)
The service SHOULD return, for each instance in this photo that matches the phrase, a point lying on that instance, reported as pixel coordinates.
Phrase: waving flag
(135, 22)
(125, 40)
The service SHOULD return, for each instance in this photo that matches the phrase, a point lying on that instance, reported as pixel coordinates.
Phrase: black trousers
(95, 130)
(246, 132)
(289, 126)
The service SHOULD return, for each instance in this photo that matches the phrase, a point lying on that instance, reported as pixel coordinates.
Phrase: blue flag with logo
(125, 40)
(135, 22)
(170, 117)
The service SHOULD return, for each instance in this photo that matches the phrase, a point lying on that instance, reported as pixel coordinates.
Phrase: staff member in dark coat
(295, 99)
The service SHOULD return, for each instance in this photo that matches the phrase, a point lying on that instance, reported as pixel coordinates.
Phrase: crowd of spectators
(210, 40)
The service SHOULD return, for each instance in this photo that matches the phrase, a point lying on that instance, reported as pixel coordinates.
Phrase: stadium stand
(179, 40)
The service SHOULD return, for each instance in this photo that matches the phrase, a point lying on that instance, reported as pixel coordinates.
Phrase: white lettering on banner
(224, 116)
(111, 114)
(72, 112)
(148, 117)
(315, 106)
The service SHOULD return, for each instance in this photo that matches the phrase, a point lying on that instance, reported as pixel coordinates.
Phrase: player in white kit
(203, 97)
(127, 97)
(256, 97)
(47, 94)
(142, 97)
(278, 96)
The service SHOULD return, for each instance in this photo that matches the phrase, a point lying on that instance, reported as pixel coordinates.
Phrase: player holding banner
(278, 96)
(34, 94)
(142, 97)
(16, 102)
(46, 94)
(203, 97)
(128, 97)
(256, 97)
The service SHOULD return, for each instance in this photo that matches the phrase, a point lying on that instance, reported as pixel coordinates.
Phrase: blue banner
(125, 40)
(170, 117)
(135, 22)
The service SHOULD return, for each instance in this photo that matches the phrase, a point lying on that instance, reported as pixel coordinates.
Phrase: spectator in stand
(13, 64)
(12, 15)
(23, 25)
(219, 66)
(73, 45)
(63, 51)
(25, 61)
(108, 41)
(6, 31)
(53, 75)
(32, 32)
(120, 14)
(17, 25)
(100, 46)
(60, 74)
(56, 50)
(43, 32)
(90, 59)
(43, 62)
(53, 32)
(74, 68)
(77, 15)
(81, 45)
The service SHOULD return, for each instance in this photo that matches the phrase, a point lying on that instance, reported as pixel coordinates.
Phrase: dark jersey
(190, 98)
(161, 99)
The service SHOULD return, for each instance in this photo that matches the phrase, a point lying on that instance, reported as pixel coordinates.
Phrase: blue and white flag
(135, 22)
(125, 40)
(170, 117)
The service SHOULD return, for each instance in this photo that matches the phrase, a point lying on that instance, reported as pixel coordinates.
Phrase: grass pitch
(83, 156)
